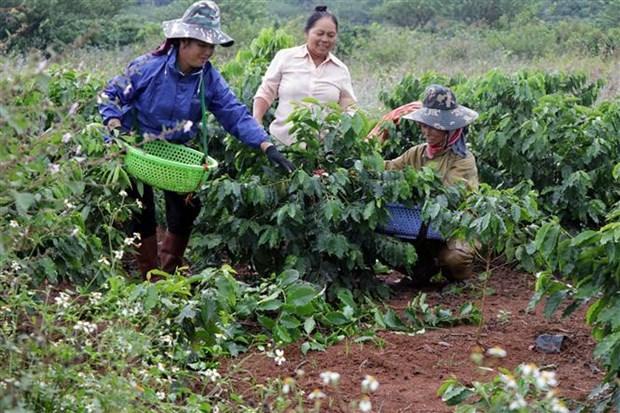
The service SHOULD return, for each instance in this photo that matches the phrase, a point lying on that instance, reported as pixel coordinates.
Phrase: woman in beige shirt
(310, 70)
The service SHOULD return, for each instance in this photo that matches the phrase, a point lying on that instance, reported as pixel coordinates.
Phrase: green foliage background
(546, 144)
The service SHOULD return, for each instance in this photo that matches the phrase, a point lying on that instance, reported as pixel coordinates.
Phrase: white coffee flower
(558, 407)
(496, 352)
(211, 374)
(288, 384)
(104, 261)
(316, 395)
(118, 254)
(279, 357)
(518, 403)
(15, 266)
(365, 404)
(330, 378)
(509, 381)
(528, 369)
(13, 224)
(369, 384)
(54, 168)
(95, 297)
(63, 300)
(161, 395)
(85, 327)
(548, 378)
(123, 193)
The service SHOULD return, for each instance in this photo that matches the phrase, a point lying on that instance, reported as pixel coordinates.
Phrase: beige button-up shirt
(292, 76)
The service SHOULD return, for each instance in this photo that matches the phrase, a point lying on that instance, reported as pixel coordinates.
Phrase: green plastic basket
(168, 166)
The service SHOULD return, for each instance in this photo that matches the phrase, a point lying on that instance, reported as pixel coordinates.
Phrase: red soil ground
(410, 369)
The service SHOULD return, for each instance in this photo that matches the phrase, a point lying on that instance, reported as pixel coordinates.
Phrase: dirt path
(411, 368)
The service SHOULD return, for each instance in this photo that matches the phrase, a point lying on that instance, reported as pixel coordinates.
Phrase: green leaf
(604, 348)
(287, 277)
(357, 123)
(266, 322)
(289, 322)
(309, 325)
(23, 201)
(346, 297)
(269, 305)
(336, 318)
(280, 333)
(369, 210)
(593, 311)
(188, 312)
(547, 238)
(554, 302)
(152, 298)
(455, 394)
(300, 295)
(392, 321)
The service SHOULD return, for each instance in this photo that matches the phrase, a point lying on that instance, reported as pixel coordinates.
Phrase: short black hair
(318, 14)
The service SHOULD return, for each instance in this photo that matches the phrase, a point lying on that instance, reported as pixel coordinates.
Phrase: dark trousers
(181, 211)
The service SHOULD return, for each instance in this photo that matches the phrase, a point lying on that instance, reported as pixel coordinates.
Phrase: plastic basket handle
(203, 123)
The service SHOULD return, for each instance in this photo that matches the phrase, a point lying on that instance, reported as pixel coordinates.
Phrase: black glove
(277, 158)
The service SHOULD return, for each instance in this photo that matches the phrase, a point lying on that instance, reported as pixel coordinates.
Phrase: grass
(380, 60)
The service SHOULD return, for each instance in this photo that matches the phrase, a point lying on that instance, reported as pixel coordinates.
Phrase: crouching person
(443, 123)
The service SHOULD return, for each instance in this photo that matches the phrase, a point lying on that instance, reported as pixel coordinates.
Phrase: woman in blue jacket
(159, 96)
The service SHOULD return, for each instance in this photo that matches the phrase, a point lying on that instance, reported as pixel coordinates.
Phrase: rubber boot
(146, 256)
(171, 252)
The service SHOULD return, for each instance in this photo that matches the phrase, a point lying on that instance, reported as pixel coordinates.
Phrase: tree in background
(577, 9)
(489, 12)
(412, 13)
(611, 15)
(53, 24)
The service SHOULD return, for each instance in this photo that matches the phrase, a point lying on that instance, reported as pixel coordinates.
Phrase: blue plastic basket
(406, 223)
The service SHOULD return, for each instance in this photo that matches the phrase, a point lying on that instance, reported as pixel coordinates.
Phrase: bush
(535, 126)
(45, 24)
(61, 203)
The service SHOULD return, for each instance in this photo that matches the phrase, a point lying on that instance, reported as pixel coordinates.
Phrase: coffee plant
(583, 269)
(535, 126)
(60, 197)
(322, 219)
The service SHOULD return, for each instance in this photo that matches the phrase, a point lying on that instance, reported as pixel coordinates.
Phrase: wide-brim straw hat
(200, 21)
(440, 110)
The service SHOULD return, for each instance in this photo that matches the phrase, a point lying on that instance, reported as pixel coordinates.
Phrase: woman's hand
(276, 157)
(113, 126)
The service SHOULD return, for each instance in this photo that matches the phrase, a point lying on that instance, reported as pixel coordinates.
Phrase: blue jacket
(153, 96)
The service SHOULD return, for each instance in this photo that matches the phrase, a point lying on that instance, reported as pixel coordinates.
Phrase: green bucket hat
(200, 21)
(440, 110)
